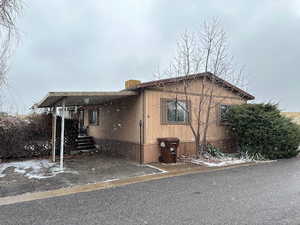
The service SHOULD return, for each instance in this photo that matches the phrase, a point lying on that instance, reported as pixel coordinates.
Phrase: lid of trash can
(168, 139)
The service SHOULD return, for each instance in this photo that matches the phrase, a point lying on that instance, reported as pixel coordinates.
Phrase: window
(174, 111)
(223, 110)
(93, 117)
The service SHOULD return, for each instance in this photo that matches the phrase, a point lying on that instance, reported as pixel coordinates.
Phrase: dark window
(93, 117)
(223, 110)
(175, 111)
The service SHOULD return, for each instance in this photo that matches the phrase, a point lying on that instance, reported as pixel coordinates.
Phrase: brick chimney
(131, 83)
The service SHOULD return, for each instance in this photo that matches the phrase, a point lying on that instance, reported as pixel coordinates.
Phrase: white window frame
(165, 112)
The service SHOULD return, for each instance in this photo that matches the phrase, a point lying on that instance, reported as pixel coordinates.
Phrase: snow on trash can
(168, 149)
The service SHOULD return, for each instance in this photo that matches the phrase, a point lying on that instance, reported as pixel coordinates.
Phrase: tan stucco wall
(118, 120)
(154, 129)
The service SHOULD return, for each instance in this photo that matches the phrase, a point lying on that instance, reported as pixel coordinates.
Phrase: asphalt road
(262, 194)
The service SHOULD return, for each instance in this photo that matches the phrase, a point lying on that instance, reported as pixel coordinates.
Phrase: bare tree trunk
(206, 123)
(9, 11)
(197, 145)
(205, 52)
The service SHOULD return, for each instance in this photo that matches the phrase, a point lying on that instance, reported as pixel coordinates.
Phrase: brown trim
(192, 93)
(209, 75)
(163, 112)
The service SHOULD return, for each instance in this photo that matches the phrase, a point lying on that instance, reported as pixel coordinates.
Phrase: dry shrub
(31, 137)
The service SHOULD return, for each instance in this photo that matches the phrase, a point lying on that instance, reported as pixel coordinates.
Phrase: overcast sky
(96, 45)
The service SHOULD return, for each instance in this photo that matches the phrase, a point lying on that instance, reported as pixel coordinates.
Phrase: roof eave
(234, 88)
(57, 97)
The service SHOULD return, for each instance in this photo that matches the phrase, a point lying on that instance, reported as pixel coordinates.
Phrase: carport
(55, 100)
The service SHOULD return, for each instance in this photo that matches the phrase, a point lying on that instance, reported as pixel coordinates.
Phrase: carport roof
(82, 98)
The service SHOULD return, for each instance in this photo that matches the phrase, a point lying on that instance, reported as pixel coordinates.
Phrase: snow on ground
(220, 162)
(37, 169)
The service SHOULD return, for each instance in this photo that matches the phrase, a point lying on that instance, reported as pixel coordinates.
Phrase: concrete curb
(109, 184)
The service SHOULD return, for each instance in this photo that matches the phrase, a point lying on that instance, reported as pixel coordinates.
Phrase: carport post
(53, 133)
(62, 136)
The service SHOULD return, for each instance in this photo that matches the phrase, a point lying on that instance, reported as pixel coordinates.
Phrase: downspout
(141, 124)
(142, 127)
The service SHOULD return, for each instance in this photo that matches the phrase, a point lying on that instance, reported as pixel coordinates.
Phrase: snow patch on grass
(219, 163)
(36, 169)
(227, 161)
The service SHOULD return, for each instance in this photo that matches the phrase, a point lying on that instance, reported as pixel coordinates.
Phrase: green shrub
(214, 151)
(260, 128)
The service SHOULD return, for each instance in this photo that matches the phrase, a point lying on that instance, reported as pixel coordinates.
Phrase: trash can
(168, 149)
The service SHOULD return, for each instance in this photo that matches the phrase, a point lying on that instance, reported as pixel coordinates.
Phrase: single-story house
(129, 122)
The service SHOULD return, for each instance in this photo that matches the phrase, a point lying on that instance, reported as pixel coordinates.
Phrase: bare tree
(204, 51)
(9, 11)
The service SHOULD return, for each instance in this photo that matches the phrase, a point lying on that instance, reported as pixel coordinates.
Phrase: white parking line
(154, 167)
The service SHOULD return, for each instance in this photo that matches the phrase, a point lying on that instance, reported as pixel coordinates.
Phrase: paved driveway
(80, 169)
(261, 194)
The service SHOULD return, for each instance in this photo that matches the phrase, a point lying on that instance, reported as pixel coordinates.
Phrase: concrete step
(84, 138)
(85, 147)
(85, 143)
(82, 151)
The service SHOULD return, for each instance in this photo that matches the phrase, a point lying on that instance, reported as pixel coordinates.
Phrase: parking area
(42, 175)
